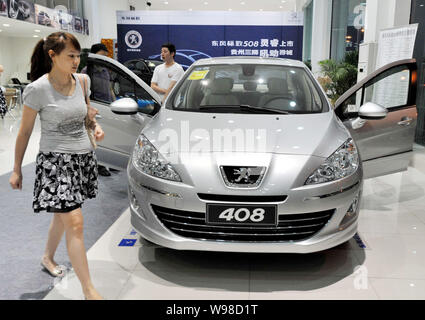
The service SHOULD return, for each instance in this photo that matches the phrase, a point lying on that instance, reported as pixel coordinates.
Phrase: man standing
(101, 88)
(100, 77)
(166, 75)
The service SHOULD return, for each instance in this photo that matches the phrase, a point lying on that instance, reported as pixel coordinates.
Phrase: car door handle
(98, 116)
(405, 121)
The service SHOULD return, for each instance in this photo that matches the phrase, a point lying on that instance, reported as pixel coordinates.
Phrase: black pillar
(418, 16)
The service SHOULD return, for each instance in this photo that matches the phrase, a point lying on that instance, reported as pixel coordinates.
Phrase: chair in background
(12, 99)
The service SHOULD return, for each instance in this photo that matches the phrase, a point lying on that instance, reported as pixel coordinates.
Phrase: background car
(299, 190)
(143, 68)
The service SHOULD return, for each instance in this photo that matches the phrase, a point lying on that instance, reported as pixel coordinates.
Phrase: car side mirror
(372, 111)
(124, 106)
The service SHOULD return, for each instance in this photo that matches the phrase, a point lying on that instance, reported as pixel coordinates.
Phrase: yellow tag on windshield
(198, 75)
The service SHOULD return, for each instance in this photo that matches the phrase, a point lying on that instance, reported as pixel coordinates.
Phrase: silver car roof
(250, 60)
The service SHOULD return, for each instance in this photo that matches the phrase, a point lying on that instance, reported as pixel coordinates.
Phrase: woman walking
(66, 167)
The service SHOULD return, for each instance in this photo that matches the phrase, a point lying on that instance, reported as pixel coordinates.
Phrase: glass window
(265, 86)
(389, 90)
(348, 20)
(109, 84)
(141, 66)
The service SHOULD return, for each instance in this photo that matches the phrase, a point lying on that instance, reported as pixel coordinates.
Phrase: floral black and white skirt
(64, 180)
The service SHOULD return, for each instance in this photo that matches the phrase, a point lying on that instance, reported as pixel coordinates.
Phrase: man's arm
(154, 86)
(154, 82)
(172, 84)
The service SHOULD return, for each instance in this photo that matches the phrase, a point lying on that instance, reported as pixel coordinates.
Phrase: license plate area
(241, 215)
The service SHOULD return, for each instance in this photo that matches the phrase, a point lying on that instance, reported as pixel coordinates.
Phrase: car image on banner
(185, 57)
(247, 154)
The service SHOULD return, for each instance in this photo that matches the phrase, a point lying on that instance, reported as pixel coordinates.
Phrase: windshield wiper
(242, 107)
(245, 106)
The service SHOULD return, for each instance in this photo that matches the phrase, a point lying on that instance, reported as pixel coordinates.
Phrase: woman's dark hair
(41, 63)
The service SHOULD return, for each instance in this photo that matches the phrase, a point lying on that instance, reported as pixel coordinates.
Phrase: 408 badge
(133, 39)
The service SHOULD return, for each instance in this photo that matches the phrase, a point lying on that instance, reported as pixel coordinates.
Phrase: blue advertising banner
(197, 35)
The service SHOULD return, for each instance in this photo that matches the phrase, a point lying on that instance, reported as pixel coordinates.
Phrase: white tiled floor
(392, 266)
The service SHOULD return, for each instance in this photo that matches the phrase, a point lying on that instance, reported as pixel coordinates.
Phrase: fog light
(351, 214)
(135, 204)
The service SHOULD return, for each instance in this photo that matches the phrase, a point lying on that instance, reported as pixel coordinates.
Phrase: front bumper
(145, 191)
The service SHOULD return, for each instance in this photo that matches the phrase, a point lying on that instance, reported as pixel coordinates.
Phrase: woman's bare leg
(73, 223)
(55, 234)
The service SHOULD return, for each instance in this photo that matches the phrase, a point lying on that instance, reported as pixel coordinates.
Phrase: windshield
(235, 87)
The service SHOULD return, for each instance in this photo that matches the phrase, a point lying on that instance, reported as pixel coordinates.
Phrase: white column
(91, 11)
(321, 35)
(381, 14)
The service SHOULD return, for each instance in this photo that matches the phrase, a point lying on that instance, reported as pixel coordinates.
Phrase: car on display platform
(248, 155)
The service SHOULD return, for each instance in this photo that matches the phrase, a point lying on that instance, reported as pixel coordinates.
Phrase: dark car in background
(143, 68)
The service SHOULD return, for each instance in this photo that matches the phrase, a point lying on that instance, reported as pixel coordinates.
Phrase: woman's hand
(98, 133)
(16, 180)
(92, 112)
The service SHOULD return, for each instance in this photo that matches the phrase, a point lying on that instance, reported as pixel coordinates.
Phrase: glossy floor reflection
(387, 261)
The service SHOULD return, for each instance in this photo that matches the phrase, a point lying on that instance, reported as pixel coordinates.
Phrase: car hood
(303, 134)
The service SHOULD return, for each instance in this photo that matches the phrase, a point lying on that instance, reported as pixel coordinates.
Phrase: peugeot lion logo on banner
(133, 39)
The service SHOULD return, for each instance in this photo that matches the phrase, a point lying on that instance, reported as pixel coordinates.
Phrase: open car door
(386, 144)
(110, 81)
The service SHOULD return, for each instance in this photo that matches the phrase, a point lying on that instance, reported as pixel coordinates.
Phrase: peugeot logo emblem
(243, 173)
(242, 177)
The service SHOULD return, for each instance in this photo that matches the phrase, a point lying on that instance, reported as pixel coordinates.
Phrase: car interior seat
(278, 89)
(251, 96)
(221, 93)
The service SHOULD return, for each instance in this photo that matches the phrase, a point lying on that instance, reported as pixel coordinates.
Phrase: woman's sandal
(58, 271)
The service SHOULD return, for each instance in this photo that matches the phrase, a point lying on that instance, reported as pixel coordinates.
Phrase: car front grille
(291, 227)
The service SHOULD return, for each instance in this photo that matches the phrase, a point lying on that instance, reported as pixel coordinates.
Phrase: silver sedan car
(248, 154)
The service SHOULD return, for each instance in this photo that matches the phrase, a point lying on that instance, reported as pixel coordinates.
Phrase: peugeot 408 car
(248, 154)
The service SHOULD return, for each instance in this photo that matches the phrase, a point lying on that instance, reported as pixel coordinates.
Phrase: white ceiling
(23, 29)
(234, 5)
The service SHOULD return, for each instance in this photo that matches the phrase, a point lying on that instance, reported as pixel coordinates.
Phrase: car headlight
(148, 160)
(342, 163)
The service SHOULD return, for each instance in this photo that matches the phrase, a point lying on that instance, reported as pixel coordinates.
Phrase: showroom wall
(103, 17)
(15, 56)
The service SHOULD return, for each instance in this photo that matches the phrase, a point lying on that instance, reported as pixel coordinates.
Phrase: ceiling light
(242, 3)
(205, 3)
(166, 2)
(261, 9)
(35, 36)
(283, 1)
(36, 30)
(230, 9)
(190, 9)
(280, 7)
(6, 25)
(1, 30)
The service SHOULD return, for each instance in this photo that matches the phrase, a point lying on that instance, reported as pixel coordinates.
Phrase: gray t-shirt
(61, 117)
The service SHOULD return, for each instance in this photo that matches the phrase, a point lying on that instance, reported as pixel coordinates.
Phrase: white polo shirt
(163, 75)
